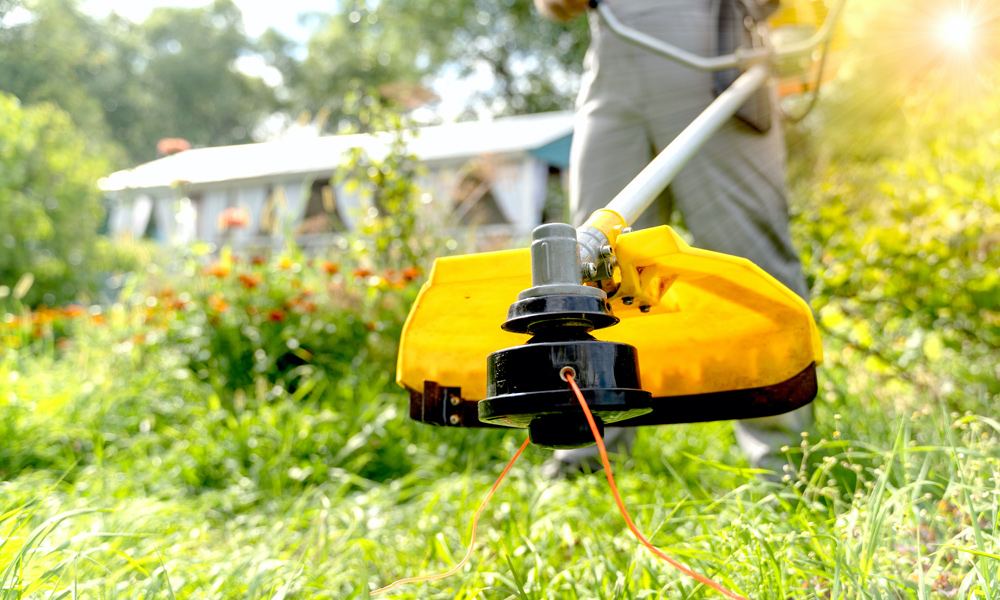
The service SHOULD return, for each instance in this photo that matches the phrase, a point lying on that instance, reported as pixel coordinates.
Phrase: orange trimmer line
(472, 542)
(568, 375)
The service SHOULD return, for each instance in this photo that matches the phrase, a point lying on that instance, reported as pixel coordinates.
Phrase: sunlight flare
(958, 31)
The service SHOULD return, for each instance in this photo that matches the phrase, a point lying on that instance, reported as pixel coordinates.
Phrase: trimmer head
(717, 337)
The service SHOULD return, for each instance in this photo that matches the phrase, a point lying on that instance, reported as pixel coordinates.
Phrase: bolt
(453, 419)
(589, 270)
(628, 301)
(606, 251)
(455, 400)
(644, 308)
(626, 230)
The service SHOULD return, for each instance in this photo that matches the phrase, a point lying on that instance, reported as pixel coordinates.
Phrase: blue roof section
(555, 153)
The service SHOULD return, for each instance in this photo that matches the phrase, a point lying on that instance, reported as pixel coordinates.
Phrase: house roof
(323, 154)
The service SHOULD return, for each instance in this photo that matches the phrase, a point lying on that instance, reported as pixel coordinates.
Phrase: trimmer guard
(721, 339)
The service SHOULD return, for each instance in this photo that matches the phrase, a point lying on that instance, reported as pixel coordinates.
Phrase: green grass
(897, 499)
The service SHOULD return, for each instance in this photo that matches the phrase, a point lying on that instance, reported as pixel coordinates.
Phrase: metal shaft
(647, 185)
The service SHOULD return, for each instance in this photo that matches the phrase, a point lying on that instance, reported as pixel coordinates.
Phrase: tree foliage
(127, 85)
(533, 63)
(900, 224)
(49, 206)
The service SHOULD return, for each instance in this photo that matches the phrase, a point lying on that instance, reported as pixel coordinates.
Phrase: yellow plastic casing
(714, 323)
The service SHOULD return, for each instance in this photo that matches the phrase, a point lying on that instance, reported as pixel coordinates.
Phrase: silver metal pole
(647, 185)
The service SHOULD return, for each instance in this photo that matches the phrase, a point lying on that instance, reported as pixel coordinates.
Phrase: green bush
(903, 251)
(252, 324)
(50, 208)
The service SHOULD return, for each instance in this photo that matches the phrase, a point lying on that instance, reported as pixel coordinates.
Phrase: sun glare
(957, 31)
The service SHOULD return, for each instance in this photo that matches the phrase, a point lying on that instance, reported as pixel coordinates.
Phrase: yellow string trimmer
(719, 338)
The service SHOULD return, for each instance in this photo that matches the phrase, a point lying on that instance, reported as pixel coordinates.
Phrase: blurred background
(214, 217)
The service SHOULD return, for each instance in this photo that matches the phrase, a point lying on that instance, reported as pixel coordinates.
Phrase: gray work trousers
(731, 195)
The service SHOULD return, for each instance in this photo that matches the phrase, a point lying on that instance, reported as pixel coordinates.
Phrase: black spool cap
(525, 389)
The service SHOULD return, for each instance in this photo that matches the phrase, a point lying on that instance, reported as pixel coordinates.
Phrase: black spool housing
(524, 385)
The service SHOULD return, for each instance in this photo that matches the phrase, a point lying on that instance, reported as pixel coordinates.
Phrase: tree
(534, 63)
(50, 207)
(127, 85)
(53, 57)
(199, 93)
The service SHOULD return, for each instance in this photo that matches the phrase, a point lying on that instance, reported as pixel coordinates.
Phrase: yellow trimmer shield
(715, 325)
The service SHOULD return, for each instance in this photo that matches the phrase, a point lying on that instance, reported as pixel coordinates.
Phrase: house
(490, 175)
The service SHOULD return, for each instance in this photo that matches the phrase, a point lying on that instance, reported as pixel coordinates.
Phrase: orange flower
(331, 268)
(73, 311)
(250, 281)
(370, 326)
(307, 306)
(258, 260)
(276, 316)
(219, 270)
(217, 303)
(98, 319)
(172, 145)
(233, 217)
(362, 272)
(411, 273)
(43, 315)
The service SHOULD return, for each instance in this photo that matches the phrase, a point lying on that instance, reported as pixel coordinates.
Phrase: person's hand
(562, 10)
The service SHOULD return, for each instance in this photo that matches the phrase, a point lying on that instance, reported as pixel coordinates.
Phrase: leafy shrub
(252, 324)
(260, 374)
(50, 207)
(902, 250)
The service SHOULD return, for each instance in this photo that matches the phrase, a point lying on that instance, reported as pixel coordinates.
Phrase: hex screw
(589, 270)
(453, 419)
(644, 308)
(628, 301)
(606, 251)
(626, 230)
(455, 400)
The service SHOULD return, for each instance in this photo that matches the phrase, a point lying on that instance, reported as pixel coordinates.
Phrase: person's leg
(732, 197)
